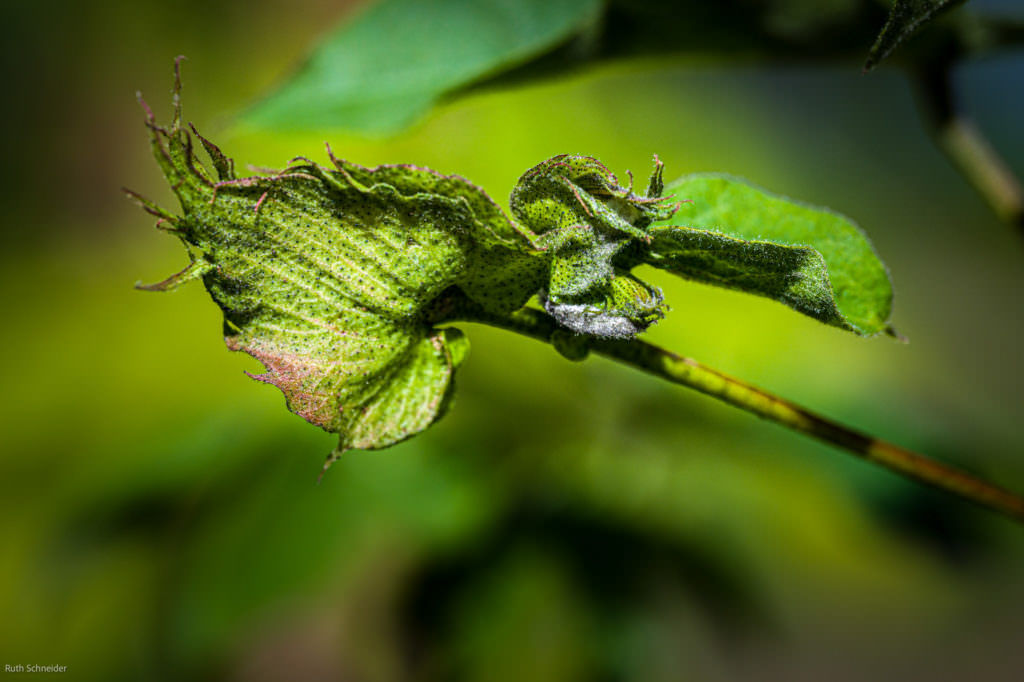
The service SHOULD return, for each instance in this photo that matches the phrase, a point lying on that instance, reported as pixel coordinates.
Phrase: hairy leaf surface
(327, 277)
(383, 68)
(811, 259)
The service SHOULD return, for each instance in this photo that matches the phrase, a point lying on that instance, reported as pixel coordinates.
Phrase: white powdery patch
(584, 319)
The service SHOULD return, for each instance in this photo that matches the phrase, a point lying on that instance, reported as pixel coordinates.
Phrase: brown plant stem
(688, 372)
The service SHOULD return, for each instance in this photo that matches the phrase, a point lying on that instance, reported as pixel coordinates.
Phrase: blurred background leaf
(383, 69)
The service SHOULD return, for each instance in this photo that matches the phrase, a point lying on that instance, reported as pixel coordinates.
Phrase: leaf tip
(893, 333)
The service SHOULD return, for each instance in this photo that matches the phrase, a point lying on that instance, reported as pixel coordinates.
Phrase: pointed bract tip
(656, 185)
(150, 117)
(139, 286)
(149, 207)
(177, 72)
(891, 331)
(330, 153)
(176, 98)
(331, 459)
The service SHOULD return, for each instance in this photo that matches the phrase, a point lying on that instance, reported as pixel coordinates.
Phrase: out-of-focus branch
(966, 146)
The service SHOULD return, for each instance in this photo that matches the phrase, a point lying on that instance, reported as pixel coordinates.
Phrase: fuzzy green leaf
(741, 237)
(591, 229)
(380, 71)
(905, 18)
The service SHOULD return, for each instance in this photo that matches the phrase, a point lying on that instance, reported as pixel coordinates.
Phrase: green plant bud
(595, 231)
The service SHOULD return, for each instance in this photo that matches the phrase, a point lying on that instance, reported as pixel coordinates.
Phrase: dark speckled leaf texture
(324, 277)
(741, 237)
(337, 279)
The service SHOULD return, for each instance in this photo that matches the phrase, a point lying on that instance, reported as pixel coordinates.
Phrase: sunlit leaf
(811, 259)
(377, 73)
(337, 279)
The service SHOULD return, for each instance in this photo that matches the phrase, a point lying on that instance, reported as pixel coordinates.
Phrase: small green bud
(596, 232)
(336, 278)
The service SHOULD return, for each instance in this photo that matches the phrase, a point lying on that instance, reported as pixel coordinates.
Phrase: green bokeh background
(159, 513)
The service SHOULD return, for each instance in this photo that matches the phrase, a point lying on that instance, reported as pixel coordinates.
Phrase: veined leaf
(327, 277)
(380, 71)
(811, 259)
(905, 18)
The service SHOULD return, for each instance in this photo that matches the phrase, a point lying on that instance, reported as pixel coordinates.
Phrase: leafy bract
(905, 18)
(811, 259)
(380, 71)
(327, 276)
